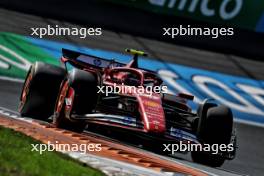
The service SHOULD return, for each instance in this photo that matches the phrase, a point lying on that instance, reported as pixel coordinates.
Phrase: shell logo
(151, 104)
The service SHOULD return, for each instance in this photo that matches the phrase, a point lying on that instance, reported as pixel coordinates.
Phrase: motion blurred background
(229, 69)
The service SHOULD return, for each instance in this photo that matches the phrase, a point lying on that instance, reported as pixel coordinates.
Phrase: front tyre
(215, 127)
(79, 89)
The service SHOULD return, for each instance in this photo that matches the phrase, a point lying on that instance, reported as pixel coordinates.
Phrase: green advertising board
(246, 14)
(17, 54)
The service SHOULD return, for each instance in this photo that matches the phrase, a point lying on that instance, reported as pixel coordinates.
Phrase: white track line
(5, 78)
(2, 109)
(246, 122)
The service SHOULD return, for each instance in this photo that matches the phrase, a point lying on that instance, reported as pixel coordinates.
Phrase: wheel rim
(60, 101)
(25, 91)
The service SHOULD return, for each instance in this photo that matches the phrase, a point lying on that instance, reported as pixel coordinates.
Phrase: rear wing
(88, 60)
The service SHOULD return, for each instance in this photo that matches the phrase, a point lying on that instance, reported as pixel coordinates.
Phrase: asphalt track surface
(250, 156)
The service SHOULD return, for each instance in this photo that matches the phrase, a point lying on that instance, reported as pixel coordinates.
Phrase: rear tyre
(215, 127)
(84, 86)
(40, 90)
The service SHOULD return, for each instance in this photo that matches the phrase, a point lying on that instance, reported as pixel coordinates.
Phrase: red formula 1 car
(106, 95)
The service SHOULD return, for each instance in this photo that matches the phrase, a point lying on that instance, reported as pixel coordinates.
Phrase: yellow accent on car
(136, 52)
(152, 104)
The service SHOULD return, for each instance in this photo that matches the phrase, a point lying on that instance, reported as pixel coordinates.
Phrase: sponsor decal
(183, 135)
(152, 104)
(225, 12)
(97, 62)
(203, 6)
(129, 121)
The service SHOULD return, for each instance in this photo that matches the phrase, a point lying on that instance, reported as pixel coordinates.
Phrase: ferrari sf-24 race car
(69, 95)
